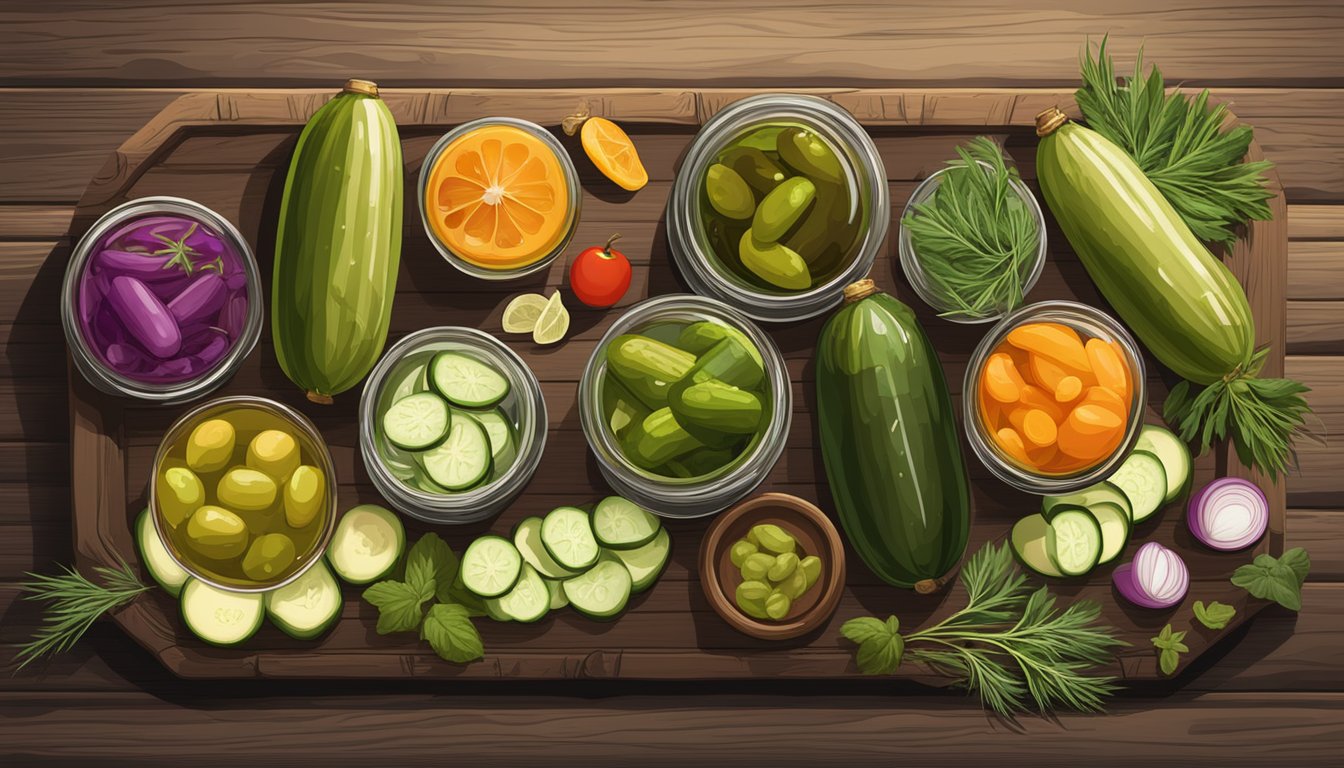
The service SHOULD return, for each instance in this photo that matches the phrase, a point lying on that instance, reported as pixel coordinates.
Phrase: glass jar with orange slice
(1054, 397)
(499, 197)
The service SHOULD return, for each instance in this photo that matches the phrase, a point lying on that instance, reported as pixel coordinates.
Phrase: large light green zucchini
(338, 245)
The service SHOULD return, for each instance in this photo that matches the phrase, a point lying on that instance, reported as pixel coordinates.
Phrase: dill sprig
(975, 240)
(75, 603)
(1010, 644)
(1180, 144)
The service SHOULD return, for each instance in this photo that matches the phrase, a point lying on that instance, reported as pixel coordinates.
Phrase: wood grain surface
(76, 81)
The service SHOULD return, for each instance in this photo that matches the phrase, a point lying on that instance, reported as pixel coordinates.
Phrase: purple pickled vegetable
(125, 358)
(234, 316)
(236, 280)
(201, 300)
(172, 370)
(142, 266)
(212, 353)
(146, 319)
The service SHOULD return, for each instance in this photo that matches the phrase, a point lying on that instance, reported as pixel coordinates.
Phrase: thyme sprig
(75, 602)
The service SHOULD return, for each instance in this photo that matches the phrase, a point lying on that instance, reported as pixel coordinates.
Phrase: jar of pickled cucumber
(244, 493)
(781, 201)
(686, 404)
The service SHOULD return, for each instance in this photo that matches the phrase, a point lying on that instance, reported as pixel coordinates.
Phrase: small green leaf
(1277, 580)
(431, 566)
(1169, 648)
(1298, 562)
(398, 604)
(880, 644)
(863, 629)
(451, 634)
(1168, 660)
(1215, 615)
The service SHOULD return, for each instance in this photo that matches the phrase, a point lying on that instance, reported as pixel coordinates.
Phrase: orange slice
(612, 151)
(498, 198)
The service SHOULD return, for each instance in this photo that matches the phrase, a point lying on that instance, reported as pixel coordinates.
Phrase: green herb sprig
(1170, 645)
(1215, 615)
(1180, 144)
(975, 239)
(1009, 644)
(432, 573)
(75, 603)
(1278, 579)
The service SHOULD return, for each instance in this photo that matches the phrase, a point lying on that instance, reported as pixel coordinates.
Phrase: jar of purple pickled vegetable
(161, 301)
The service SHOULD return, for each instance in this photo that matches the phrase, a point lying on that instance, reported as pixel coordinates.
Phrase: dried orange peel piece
(614, 154)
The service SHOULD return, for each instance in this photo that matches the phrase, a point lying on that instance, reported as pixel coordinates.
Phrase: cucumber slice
(491, 566)
(1144, 482)
(557, 591)
(466, 381)
(161, 565)
(307, 606)
(1114, 523)
(218, 617)
(1174, 455)
(1093, 494)
(568, 537)
(602, 591)
(417, 422)
(527, 538)
(622, 524)
(1028, 544)
(1073, 541)
(500, 432)
(367, 544)
(645, 563)
(492, 610)
(528, 601)
(462, 460)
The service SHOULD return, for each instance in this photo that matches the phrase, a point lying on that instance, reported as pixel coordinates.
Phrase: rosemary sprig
(1180, 145)
(75, 603)
(1010, 644)
(974, 238)
(181, 252)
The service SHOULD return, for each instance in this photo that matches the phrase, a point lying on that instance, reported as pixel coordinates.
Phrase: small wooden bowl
(816, 535)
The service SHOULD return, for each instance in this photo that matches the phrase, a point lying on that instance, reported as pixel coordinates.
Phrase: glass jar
(313, 449)
(89, 361)
(524, 406)
(914, 268)
(1089, 322)
(864, 177)
(573, 195)
(696, 496)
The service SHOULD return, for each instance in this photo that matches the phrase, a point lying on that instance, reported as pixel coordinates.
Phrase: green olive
(807, 153)
(782, 208)
(811, 568)
(210, 445)
(180, 494)
(269, 556)
(755, 608)
(217, 533)
(773, 538)
(756, 566)
(754, 167)
(783, 568)
(795, 586)
(303, 496)
(742, 548)
(777, 605)
(274, 453)
(246, 489)
(728, 193)
(776, 264)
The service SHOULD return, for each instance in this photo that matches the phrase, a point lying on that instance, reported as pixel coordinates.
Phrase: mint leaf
(863, 629)
(398, 604)
(1169, 648)
(451, 634)
(431, 566)
(458, 594)
(880, 644)
(1168, 661)
(1298, 562)
(1215, 615)
(1278, 580)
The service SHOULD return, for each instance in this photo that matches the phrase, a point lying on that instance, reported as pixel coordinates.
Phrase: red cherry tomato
(600, 276)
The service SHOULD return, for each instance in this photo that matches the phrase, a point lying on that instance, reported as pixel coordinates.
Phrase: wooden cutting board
(230, 150)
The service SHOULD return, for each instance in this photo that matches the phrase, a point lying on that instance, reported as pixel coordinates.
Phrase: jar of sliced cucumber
(452, 425)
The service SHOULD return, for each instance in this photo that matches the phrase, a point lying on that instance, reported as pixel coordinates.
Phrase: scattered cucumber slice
(161, 565)
(1073, 541)
(1114, 524)
(528, 601)
(307, 606)
(219, 617)
(602, 591)
(492, 610)
(491, 566)
(619, 523)
(557, 590)
(568, 537)
(1028, 544)
(462, 460)
(1174, 455)
(466, 381)
(500, 432)
(527, 538)
(367, 544)
(1144, 482)
(417, 422)
(1093, 494)
(646, 563)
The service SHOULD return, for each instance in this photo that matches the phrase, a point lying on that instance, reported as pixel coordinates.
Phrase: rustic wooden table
(76, 79)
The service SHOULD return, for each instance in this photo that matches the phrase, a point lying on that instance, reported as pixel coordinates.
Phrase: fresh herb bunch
(432, 571)
(1170, 645)
(975, 239)
(1009, 644)
(1180, 144)
(75, 603)
(1278, 579)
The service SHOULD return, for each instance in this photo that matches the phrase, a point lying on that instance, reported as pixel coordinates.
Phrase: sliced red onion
(1157, 577)
(1228, 514)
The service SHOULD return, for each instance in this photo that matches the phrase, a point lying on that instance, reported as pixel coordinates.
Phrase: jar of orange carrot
(1054, 397)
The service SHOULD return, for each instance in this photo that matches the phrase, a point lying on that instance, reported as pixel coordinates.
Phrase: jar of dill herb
(972, 239)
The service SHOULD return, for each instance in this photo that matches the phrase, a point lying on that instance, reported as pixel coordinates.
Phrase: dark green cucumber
(657, 439)
(716, 407)
(889, 441)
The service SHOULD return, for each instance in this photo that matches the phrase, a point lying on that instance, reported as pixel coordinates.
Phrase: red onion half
(1156, 578)
(1228, 514)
